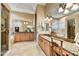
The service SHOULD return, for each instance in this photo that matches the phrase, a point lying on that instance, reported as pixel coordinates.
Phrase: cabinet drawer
(57, 50)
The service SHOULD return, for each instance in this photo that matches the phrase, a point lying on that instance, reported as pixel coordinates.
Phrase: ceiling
(24, 7)
(31, 8)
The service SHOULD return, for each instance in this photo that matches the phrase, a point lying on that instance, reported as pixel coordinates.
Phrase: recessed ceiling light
(69, 5)
(66, 11)
(60, 10)
(75, 7)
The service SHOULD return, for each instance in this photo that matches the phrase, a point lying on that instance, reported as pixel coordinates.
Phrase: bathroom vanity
(24, 36)
(57, 46)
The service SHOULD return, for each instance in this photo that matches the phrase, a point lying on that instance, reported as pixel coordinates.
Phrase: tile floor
(25, 49)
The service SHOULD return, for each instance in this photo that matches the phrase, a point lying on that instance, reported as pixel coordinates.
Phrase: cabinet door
(31, 36)
(42, 43)
(47, 48)
(26, 36)
(17, 38)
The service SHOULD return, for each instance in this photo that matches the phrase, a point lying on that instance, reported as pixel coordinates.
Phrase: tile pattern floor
(25, 49)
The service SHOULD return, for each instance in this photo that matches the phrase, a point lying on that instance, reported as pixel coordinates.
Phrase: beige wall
(40, 18)
(40, 14)
(7, 6)
(0, 28)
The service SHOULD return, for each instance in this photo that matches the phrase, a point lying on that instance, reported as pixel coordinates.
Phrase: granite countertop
(67, 44)
(71, 47)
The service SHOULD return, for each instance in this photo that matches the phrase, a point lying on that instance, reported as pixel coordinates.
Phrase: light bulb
(50, 19)
(75, 7)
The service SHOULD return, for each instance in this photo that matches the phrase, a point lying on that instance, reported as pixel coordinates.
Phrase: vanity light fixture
(48, 18)
(66, 11)
(68, 5)
(75, 7)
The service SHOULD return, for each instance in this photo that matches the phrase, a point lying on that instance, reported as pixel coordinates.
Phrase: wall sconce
(68, 5)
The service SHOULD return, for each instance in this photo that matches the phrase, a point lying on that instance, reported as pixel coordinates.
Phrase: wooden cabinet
(31, 36)
(52, 48)
(41, 44)
(26, 36)
(45, 46)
